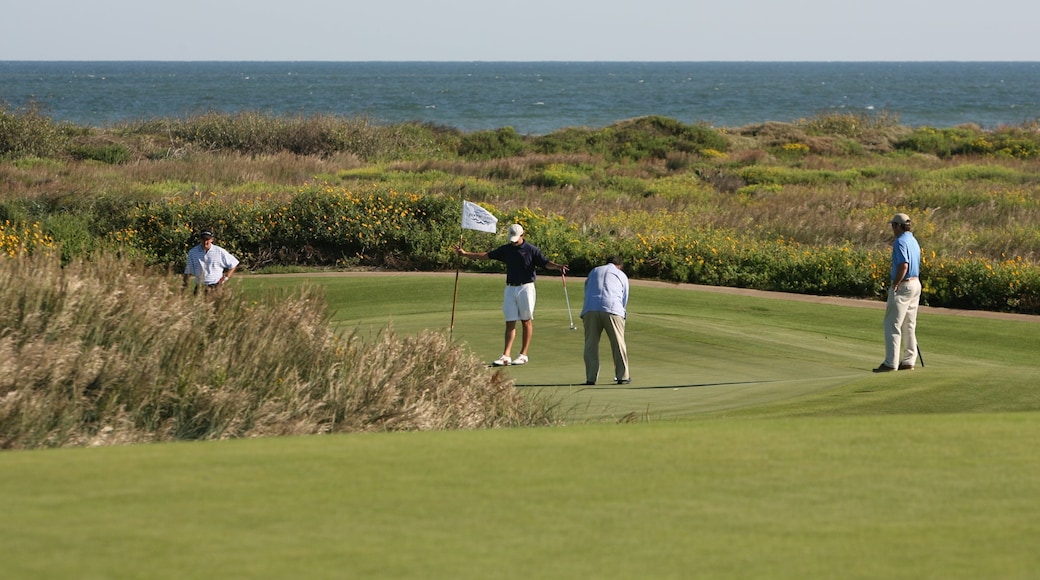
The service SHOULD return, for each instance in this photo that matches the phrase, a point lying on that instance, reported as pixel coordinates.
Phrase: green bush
(771, 175)
(72, 232)
(111, 154)
(558, 175)
(853, 125)
(659, 137)
(1007, 286)
(496, 144)
(569, 140)
(29, 133)
(1009, 142)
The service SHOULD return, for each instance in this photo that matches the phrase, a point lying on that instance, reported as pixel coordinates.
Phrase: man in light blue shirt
(904, 296)
(605, 309)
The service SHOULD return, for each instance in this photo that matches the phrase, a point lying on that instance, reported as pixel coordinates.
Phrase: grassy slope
(799, 462)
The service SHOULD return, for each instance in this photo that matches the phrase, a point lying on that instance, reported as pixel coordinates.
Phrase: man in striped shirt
(209, 264)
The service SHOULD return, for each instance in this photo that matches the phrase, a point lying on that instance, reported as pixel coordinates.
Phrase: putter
(920, 356)
(567, 296)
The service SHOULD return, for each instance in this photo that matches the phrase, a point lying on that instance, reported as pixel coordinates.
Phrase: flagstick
(455, 299)
(477, 218)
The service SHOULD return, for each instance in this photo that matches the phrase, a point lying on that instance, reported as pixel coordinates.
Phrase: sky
(528, 30)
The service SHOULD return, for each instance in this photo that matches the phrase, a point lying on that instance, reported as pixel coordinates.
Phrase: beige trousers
(595, 324)
(901, 324)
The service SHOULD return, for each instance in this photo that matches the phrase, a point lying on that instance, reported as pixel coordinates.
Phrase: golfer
(210, 265)
(604, 309)
(521, 259)
(904, 296)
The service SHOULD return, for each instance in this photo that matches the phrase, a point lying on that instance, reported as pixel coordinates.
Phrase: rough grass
(103, 352)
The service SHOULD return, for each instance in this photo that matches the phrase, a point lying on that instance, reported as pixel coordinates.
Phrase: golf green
(760, 445)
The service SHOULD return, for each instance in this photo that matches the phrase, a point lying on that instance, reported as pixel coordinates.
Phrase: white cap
(900, 219)
(516, 231)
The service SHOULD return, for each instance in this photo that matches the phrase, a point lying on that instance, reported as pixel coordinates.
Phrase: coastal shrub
(976, 284)
(831, 123)
(110, 154)
(558, 239)
(320, 225)
(758, 174)
(558, 175)
(631, 187)
(657, 137)
(990, 173)
(323, 225)
(256, 133)
(941, 142)
(496, 144)
(725, 258)
(28, 132)
(285, 209)
(72, 233)
(853, 125)
(569, 140)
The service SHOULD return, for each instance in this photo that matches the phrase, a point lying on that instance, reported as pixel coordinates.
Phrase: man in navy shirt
(904, 296)
(521, 259)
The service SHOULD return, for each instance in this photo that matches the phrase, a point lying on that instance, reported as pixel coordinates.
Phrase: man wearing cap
(211, 265)
(521, 259)
(604, 309)
(904, 295)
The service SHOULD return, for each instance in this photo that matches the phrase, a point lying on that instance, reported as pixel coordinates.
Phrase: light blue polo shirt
(606, 290)
(906, 250)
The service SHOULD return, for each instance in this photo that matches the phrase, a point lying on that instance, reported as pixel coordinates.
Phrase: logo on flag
(477, 218)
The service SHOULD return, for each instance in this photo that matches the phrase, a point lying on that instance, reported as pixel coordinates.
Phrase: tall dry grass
(105, 352)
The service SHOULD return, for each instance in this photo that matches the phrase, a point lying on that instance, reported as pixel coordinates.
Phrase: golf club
(920, 356)
(567, 296)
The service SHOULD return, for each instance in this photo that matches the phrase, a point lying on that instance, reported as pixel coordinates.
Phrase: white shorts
(518, 302)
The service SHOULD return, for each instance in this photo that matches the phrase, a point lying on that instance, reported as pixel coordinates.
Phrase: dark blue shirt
(520, 261)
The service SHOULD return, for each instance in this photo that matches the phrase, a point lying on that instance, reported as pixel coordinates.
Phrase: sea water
(531, 97)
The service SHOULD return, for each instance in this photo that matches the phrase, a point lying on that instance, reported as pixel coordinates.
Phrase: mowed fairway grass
(754, 442)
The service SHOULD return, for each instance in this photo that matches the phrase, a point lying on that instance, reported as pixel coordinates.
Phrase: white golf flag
(477, 218)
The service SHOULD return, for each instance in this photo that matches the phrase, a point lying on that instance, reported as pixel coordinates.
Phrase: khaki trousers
(595, 324)
(901, 324)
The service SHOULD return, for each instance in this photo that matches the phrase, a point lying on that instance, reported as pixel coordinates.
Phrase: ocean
(532, 97)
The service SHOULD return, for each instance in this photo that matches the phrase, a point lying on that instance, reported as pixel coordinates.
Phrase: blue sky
(531, 30)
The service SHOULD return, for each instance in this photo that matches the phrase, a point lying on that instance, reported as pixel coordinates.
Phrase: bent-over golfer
(904, 296)
(521, 259)
(605, 309)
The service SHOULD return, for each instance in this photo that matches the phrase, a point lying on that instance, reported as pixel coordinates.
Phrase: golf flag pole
(477, 218)
(455, 298)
